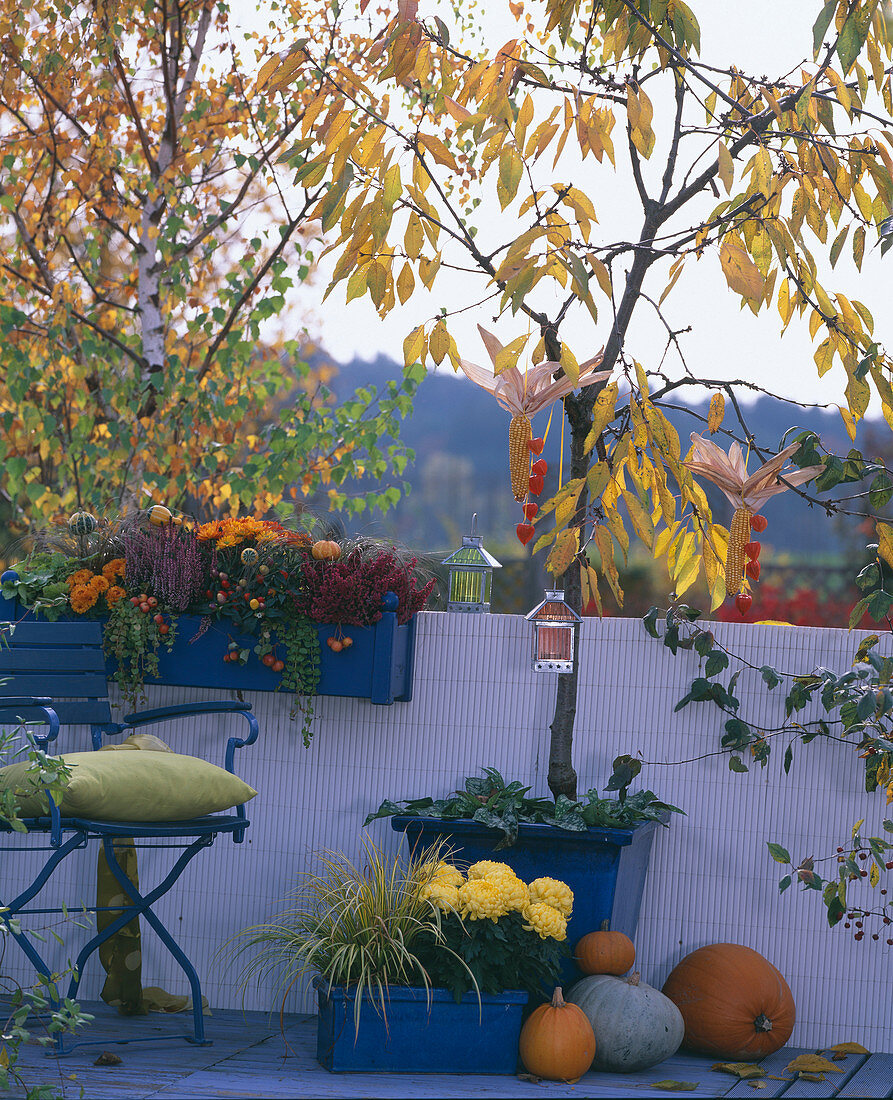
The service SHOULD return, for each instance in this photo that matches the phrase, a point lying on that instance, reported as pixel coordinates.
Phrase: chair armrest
(15, 704)
(185, 710)
(162, 714)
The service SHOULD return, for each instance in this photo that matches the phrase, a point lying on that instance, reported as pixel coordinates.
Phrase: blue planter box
(605, 868)
(419, 1036)
(378, 666)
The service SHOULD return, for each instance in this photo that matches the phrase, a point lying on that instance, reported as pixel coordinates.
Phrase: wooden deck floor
(250, 1057)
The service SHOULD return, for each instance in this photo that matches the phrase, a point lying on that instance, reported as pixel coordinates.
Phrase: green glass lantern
(554, 630)
(471, 574)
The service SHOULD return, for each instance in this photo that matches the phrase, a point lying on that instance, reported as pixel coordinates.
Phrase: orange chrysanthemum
(99, 583)
(82, 576)
(83, 597)
(115, 593)
(114, 569)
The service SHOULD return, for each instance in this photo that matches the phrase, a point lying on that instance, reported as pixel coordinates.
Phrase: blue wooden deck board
(250, 1058)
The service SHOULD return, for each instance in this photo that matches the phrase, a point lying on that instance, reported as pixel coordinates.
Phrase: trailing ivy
(133, 638)
(301, 672)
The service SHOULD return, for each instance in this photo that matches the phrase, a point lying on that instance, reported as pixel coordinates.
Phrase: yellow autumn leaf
(414, 346)
(439, 342)
(849, 1048)
(563, 552)
(438, 151)
(742, 274)
(811, 1063)
(716, 413)
(885, 546)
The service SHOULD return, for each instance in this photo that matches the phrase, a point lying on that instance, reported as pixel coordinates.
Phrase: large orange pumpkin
(605, 953)
(557, 1041)
(735, 1004)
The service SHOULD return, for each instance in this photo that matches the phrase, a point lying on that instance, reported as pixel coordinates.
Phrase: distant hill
(459, 436)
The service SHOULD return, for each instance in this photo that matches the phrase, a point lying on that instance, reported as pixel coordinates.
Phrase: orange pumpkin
(605, 953)
(557, 1041)
(735, 1004)
(326, 550)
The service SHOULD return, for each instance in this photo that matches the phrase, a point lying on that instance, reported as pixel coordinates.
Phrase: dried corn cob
(739, 534)
(520, 434)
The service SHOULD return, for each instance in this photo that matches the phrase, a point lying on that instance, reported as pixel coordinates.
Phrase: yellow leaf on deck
(849, 1048)
(811, 1063)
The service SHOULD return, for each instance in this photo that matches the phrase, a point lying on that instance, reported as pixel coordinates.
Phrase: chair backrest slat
(62, 661)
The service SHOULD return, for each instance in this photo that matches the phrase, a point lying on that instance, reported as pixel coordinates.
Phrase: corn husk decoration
(523, 393)
(746, 494)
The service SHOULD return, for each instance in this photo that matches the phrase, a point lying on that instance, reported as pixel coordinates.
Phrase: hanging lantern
(471, 574)
(554, 624)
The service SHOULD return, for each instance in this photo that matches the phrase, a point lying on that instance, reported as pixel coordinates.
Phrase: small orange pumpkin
(735, 1004)
(326, 550)
(605, 952)
(557, 1041)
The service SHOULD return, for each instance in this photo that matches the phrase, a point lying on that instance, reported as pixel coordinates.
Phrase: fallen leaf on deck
(674, 1086)
(757, 1084)
(531, 1077)
(843, 1049)
(811, 1063)
(810, 1076)
(741, 1070)
(107, 1059)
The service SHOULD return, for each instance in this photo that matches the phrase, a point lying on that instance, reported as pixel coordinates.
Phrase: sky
(763, 37)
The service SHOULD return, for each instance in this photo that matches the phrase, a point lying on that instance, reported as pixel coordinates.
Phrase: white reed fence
(476, 703)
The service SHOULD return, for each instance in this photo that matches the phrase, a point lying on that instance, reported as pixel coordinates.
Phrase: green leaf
(770, 676)
(736, 764)
(778, 853)
(821, 26)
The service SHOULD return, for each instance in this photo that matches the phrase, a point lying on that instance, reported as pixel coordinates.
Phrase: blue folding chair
(43, 664)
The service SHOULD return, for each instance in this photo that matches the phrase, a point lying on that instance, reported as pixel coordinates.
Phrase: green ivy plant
(133, 638)
(489, 800)
(856, 711)
(301, 672)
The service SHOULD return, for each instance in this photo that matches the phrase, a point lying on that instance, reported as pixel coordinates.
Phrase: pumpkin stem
(557, 999)
(604, 926)
(633, 979)
(762, 1023)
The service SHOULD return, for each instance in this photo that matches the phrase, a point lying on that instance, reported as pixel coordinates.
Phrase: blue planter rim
(418, 993)
(466, 828)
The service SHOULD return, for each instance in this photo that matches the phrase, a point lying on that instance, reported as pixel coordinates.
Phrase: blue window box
(605, 868)
(378, 666)
(419, 1035)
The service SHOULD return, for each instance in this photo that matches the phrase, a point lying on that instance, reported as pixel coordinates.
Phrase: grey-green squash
(635, 1025)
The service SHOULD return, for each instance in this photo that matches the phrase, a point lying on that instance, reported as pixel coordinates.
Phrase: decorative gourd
(557, 1041)
(635, 1025)
(160, 516)
(325, 550)
(735, 1004)
(605, 953)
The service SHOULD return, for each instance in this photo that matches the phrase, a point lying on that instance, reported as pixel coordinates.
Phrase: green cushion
(135, 786)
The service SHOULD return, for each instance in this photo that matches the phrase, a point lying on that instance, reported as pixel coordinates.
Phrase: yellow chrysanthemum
(486, 868)
(546, 921)
(114, 569)
(115, 593)
(557, 894)
(514, 891)
(442, 895)
(480, 899)
(81, 577)
(83, 597)
(444, 872)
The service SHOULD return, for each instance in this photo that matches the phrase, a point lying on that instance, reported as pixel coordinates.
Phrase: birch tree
(149, 241)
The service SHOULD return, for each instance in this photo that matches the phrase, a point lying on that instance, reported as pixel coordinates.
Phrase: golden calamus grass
(355, 924)
(520, 434)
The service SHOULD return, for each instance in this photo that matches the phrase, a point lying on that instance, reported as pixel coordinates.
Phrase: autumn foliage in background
(150, 238)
